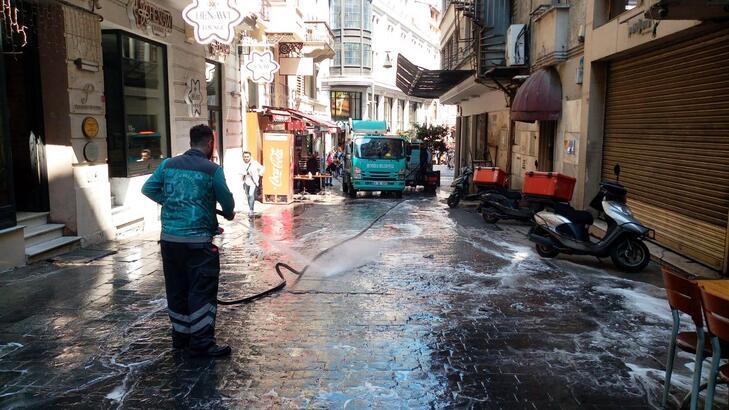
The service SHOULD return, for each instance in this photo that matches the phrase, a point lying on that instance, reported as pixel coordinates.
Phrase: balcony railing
(318, 31)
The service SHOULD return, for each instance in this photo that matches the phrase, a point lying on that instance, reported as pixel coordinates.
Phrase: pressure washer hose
(280, 265)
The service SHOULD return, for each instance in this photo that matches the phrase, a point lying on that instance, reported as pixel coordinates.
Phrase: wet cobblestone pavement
(429, 309)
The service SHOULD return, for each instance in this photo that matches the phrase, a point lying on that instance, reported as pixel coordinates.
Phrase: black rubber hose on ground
(280, 265)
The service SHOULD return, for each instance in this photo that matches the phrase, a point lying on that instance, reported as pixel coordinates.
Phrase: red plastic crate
(551, 184)
(489, 176)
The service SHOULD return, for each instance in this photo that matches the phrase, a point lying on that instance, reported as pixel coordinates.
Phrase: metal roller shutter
(667, 124)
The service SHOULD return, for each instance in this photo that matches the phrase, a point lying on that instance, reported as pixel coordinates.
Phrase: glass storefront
(213, 73)
(346, 104)
(137, 118)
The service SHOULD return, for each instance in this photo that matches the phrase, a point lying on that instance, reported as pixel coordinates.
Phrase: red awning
(315, 120)
(539, 98)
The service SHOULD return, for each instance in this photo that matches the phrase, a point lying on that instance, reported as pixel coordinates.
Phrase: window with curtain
(353, 13)
(345, 105)
(352, 54)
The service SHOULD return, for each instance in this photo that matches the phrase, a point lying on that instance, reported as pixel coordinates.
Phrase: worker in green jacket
(188, 187)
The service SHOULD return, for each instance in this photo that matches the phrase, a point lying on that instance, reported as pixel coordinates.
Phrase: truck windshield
(378, 148)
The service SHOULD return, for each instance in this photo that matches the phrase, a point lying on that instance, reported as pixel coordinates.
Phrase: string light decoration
(13, 31)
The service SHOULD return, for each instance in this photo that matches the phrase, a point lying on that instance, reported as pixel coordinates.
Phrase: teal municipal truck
(374, 161)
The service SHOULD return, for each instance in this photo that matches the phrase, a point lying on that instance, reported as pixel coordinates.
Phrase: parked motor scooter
(564, 229)
(515, 205)
(460, 185)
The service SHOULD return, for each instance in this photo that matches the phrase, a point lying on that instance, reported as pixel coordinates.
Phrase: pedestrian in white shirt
(252, 173)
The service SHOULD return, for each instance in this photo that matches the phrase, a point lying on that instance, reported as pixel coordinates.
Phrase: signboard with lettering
(277, 161)
(194, 97)
(150, 17)
(213, 20)
(262, 66)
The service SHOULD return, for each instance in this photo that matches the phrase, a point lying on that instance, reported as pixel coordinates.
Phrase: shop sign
(219, 49)
(194, 97)
(262, 66)
(213, 20)
(640, 26)
(9, 14)
(149, 16)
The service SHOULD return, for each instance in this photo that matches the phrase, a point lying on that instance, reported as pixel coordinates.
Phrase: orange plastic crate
(489, 176)
(551, 184)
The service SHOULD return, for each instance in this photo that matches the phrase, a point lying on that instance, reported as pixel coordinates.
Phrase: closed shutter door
(667, 124)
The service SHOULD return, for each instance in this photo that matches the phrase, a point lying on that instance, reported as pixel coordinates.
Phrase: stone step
(37, 234)
(32, 218)
(52, 248)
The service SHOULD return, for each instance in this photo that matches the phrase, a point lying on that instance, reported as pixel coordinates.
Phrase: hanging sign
(262, 66)
(213, 20)
(194, 97)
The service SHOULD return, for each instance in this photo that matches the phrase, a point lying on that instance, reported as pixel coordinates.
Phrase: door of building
(666, 124)
(24, 109)
(213, 74)
(7, 194)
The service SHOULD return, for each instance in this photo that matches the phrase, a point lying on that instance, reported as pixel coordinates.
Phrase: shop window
(137, 103)
(213, 79)
(252, 94)
(346, 104)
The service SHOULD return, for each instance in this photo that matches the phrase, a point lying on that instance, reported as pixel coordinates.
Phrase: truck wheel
(453, 200)
(429, 190)
(345, 187)
(630, 255)
(352, 192)
(398, 194)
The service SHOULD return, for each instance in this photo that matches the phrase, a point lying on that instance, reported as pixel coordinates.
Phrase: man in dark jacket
(188, 187)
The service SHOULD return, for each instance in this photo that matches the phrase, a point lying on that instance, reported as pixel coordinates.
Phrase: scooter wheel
(453, 200)
(546, 251)
(489, 217)
(630, 255)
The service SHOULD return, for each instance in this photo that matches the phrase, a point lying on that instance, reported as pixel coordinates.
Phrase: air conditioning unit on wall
(515, 45)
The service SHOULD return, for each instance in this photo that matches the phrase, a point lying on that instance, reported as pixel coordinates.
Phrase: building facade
(369, 37)
(118, 96)
(585, 85)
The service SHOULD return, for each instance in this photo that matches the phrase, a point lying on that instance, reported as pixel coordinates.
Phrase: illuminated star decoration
(263, 66)
(212, 20)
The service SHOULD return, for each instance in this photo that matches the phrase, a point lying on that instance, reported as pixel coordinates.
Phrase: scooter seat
(577, 217)
(515, 195)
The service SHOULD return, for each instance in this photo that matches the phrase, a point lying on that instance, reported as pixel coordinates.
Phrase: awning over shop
(419, 82)
(539, 98)
(315, 120)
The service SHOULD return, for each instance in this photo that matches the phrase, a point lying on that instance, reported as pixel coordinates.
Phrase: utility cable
(299, 273)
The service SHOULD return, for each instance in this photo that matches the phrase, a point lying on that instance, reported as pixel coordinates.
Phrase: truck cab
(374, 161)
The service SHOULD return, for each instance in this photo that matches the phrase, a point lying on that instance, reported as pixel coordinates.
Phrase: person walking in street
(329, 169)
(188, 187)
(252, 173)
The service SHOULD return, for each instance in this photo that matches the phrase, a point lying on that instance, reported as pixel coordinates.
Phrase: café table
(303, 188)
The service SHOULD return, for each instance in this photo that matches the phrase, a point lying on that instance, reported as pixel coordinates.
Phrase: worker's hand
(230, 216)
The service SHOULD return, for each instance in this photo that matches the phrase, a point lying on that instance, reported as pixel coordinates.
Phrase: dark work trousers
(191, 281)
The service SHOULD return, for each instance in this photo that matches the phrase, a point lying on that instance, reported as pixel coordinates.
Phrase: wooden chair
(716, 311)
(684, 296)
